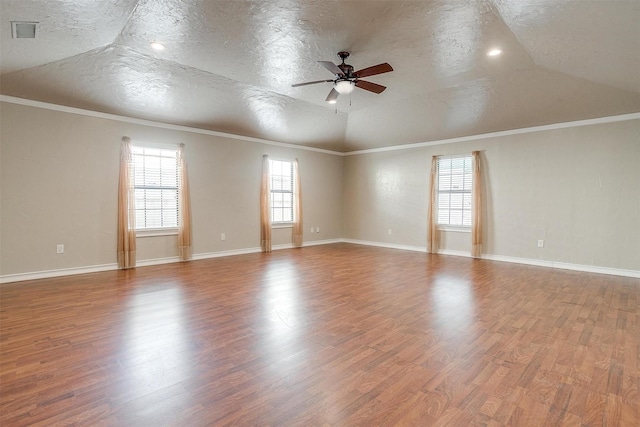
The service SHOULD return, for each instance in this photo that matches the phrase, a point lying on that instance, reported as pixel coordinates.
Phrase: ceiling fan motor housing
(346, 68)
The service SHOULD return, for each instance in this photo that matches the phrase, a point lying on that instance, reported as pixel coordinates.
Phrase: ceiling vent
(23, 30)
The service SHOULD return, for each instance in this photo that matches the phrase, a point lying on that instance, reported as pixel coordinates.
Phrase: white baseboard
(156, 261)
(503, 258)
(21, 277)
(208, 255)
(386, 245)
(307, 244)
(257, 249)
(565, 265)
(322, 242)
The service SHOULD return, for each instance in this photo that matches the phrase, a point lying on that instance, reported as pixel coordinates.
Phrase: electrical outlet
(541, 243)
(389, 231)
(59, 249)
(312, 229)
(317, 229)
(223, 237)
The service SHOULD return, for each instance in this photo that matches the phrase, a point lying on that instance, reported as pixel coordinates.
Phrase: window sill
(454, 228)
(282, 225)
(154, 232)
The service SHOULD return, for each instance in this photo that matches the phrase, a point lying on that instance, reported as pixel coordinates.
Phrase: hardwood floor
(326, 335)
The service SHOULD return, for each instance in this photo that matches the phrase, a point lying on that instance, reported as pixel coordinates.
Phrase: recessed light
(23, 30)
(156, 46)
(494, 52)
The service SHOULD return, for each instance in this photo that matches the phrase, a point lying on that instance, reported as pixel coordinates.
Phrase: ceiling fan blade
(311, 83)
(371, 87)
(333, 95)
(372, 71)
(331, 67)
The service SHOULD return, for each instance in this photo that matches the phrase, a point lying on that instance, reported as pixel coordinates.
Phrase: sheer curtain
(184, 222)
(126, 209)
(476, 218)
(432, 215)
(265, 207)
(297, 207)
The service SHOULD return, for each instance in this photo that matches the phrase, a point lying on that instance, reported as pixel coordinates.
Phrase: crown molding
(161, 125)
(554, 126)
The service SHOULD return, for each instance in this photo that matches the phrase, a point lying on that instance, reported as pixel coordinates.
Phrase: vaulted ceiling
(229, 65)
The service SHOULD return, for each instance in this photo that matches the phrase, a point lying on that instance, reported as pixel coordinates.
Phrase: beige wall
(59, 175)
(577, 188)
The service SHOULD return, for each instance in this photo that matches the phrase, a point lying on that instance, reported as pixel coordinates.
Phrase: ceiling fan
(346, 79)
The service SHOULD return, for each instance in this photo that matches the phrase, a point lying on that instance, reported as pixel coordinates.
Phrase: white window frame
(272, 191)
(158, 231)
(454, 180)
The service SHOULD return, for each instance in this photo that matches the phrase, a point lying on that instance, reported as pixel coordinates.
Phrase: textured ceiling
(229, 65)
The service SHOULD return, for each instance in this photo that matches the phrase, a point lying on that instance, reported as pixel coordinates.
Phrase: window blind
(281, 176)
(455, 181)
(155, 175)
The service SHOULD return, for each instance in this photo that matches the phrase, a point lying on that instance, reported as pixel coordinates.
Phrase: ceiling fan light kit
(344, 86)
(345, 79)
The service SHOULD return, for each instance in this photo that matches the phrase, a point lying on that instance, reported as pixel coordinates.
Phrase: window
(281, 177)
(455, 181)
(155, 180)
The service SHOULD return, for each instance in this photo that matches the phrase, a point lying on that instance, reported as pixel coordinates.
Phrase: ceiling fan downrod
(346, 68)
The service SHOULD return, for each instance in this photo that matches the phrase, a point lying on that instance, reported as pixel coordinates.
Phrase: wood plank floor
(326, 335)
